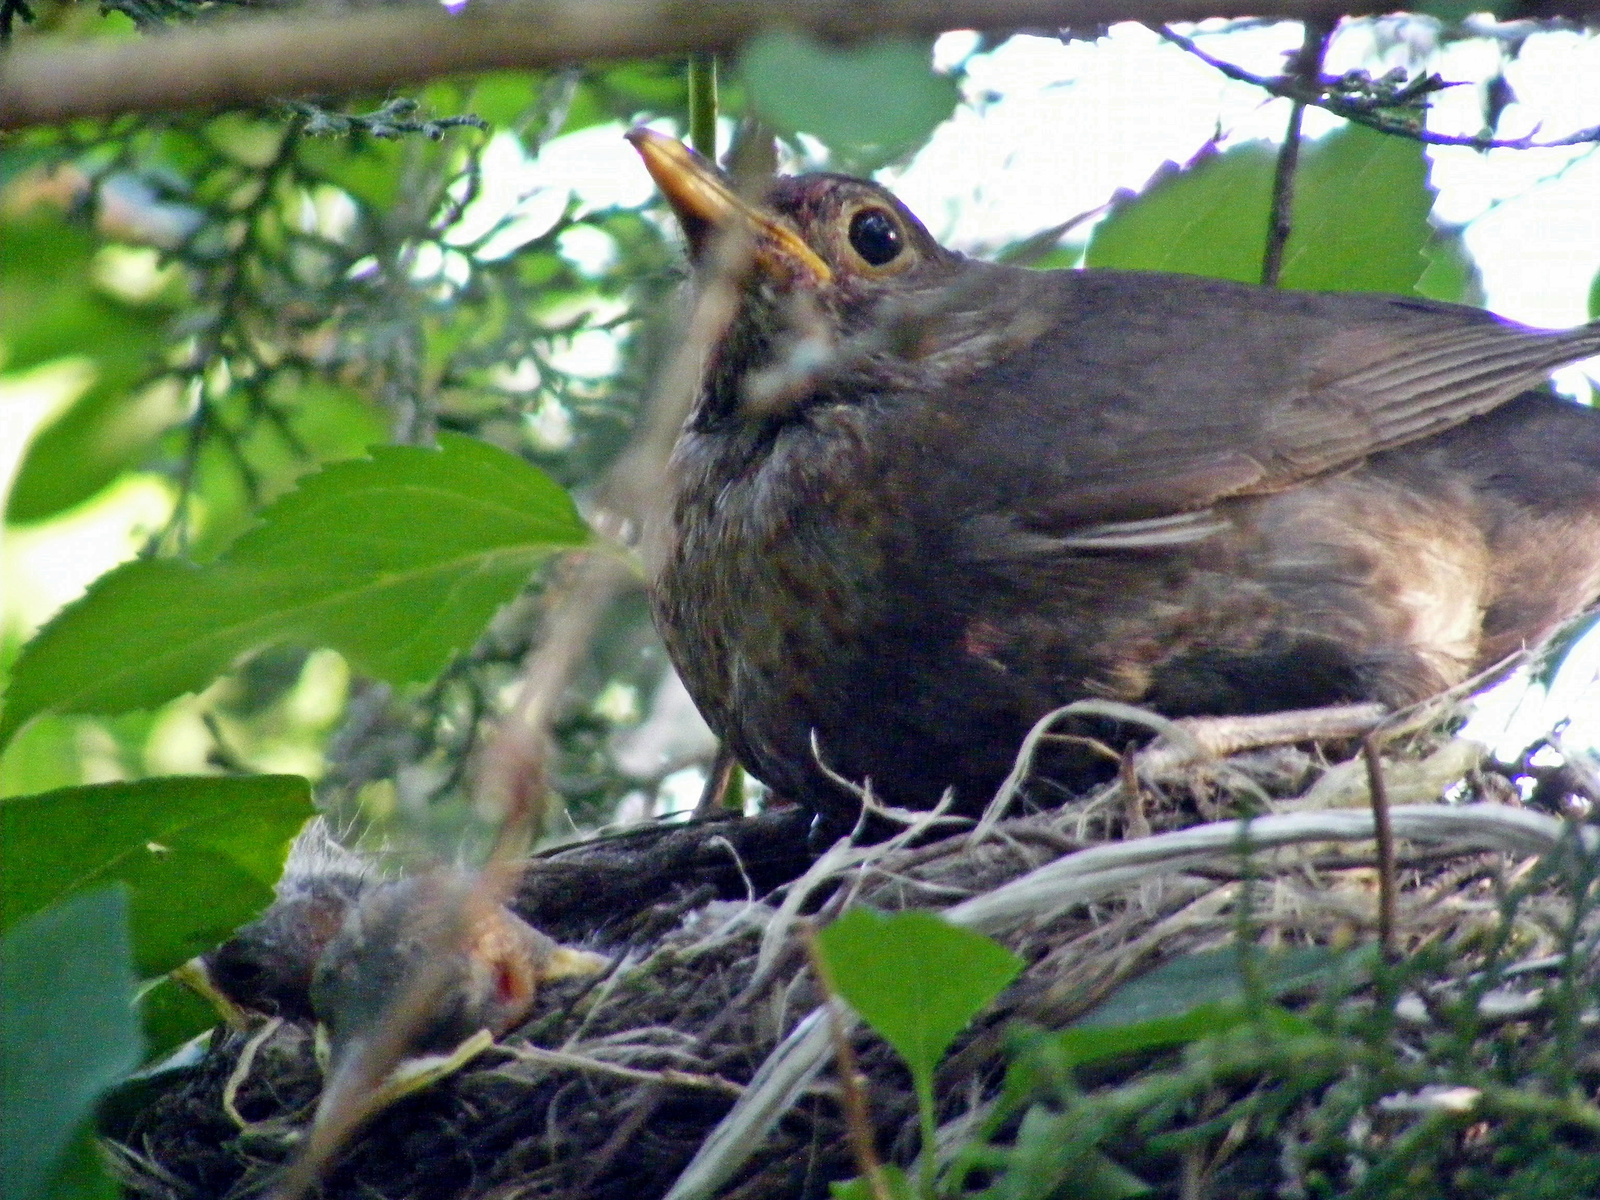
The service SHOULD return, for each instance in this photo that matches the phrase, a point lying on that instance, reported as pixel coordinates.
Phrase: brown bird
(922, 500)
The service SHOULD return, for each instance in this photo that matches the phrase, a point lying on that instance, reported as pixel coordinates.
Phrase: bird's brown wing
(1151, 397)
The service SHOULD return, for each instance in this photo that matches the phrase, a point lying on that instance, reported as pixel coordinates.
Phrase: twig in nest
(1221, 737)
(1383, 835)
(1135, 823)
(241, 1070)
(666, 1077)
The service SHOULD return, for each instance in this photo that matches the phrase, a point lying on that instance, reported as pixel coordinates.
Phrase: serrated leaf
(1361, 207)
(872, 101)
(1451, 274)
(198, 854)
(914, 977)
(1360, 216)
(69, 1031)
(397, 561)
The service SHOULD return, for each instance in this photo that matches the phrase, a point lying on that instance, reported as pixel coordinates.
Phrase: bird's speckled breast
(772, 582)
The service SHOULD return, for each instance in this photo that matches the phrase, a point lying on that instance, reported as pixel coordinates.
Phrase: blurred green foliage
(197, 856)
(870, 103)
(66, 1009)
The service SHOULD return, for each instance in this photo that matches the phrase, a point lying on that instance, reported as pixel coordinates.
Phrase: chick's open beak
(705, 204)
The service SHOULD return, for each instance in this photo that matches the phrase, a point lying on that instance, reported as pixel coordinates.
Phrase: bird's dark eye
(875, 236)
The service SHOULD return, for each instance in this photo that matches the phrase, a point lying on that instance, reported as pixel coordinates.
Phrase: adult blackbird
(922, 500)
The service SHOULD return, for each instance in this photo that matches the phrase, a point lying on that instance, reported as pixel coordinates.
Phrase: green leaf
(1361, 207)
(1050, 1158)
(503, 97)
(198, 855)
(1208, 218)
(1451, 274)
(1213, 976)
(66, 1009)
(1092, 1043)
(1360, 216)
(46, 755)
(914, 977)
(171, 1015)
(397, 561)
(1197, 996)
(860, 1188)
(869, 102)
(1594, 298)
(50, 308)
(368, 169)
(81, 1171)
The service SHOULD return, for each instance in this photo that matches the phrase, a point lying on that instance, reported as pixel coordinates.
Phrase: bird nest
(1462, 1061)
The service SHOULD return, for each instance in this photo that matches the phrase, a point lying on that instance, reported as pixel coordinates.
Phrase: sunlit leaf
(397, 561)
(323, 423)
(1361, 207)
(1360, 214)
(50, 308)
(198, 855)
(878, 99)
(1451, 274)
(914, 977)
(66, 1006)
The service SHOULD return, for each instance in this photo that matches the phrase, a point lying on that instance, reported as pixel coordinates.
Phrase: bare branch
(229, 63)
(1325, 94)
(1280, 221)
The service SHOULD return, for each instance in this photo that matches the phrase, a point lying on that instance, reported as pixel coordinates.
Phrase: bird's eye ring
(875, 235)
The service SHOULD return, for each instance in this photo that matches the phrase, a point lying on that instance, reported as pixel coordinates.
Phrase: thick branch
(252, 60)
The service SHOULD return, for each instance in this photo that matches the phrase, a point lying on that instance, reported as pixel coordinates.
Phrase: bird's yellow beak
(704, 202)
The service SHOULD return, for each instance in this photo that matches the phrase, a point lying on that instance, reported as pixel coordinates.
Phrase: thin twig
(1365, 113)
(511, 781)
(1307, 68)
(1383, 835)
(666, 1077)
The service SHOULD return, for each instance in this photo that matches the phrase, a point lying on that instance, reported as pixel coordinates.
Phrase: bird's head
(822, 257)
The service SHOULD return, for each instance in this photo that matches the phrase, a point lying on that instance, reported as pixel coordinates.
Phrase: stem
(923, 1083)
(1307, 69)
(703, 103)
